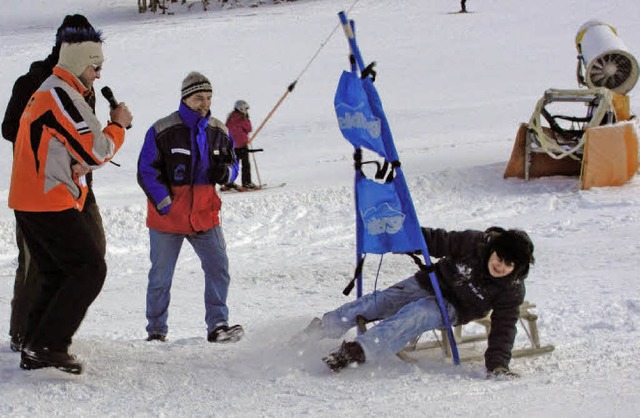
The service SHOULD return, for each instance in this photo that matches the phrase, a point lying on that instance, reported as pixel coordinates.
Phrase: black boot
(156, 337)
(348, 353)
(32, 359)
(226, 334)
(16, 344)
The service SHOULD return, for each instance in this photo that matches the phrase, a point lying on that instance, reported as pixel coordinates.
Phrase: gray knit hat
(194, 83)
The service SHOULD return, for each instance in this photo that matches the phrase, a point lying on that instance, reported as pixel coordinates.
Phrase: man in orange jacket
(26, 285)
(59, 141)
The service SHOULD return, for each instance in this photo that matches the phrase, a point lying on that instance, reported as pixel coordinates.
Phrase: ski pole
(255, 164)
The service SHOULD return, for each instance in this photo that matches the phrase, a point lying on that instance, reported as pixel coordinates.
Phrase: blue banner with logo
(356, 120)
(389, 222)
(386, 219)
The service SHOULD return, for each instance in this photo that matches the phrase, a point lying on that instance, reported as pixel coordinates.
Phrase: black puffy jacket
(465, 282)
(23, 88)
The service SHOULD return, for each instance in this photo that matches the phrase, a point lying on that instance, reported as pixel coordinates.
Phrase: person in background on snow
(27, 286)
(477, 272)
(183, 157)
(239, 126)
(59, 141)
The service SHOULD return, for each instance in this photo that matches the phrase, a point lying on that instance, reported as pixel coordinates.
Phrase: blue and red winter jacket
(183, 157)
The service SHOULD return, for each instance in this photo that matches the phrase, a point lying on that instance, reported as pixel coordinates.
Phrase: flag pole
(403, 190)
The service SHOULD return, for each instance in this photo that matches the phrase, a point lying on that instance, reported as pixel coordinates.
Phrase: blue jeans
(165, 248)
(406, 311)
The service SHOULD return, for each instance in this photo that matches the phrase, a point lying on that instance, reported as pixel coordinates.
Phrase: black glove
(502, 373)
(219, 174)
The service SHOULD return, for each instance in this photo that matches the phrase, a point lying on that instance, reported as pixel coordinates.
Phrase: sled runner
(440, 339)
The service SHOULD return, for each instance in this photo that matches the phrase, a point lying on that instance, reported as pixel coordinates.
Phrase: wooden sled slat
(528, 321)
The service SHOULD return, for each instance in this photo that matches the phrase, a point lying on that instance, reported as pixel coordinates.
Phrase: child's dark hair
(512, 246)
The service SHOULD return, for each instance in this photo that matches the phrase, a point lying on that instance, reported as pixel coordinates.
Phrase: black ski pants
(71, 272)
(243, 156)
(27, 286)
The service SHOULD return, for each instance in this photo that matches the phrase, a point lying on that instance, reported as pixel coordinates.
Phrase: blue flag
(389, 224)
(355, 118)
(386, 219)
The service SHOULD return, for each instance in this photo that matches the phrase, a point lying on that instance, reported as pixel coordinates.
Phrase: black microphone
(113, 103)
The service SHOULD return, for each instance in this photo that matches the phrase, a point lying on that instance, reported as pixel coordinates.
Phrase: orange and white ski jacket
(57, 129)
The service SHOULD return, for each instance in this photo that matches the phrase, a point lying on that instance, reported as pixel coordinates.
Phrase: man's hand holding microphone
(120, 113)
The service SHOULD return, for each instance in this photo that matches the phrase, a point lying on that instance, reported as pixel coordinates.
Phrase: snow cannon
(606, 59)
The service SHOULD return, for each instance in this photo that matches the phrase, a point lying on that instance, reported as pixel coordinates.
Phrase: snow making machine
(590, 132)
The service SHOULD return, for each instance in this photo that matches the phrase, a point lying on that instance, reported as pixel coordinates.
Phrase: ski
(241, 189)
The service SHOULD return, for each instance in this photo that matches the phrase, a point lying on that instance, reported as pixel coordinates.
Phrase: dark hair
(512, 246)
(78, 35)
(72, 21)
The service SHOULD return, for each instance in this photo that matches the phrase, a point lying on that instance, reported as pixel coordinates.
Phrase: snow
(455, 88)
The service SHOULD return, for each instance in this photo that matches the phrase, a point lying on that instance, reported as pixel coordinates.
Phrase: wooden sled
(527, 322)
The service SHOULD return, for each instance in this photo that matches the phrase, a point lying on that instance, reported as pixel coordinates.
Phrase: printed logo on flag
(383, 219)
(358, 122)
(350, 118)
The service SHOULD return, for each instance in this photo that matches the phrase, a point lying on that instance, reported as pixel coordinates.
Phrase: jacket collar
(70, 79)
(190, 117)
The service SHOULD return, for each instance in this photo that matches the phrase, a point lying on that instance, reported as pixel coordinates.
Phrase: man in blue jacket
(183, 157)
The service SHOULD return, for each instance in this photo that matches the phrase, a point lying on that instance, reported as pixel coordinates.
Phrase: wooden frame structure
(557, 141)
